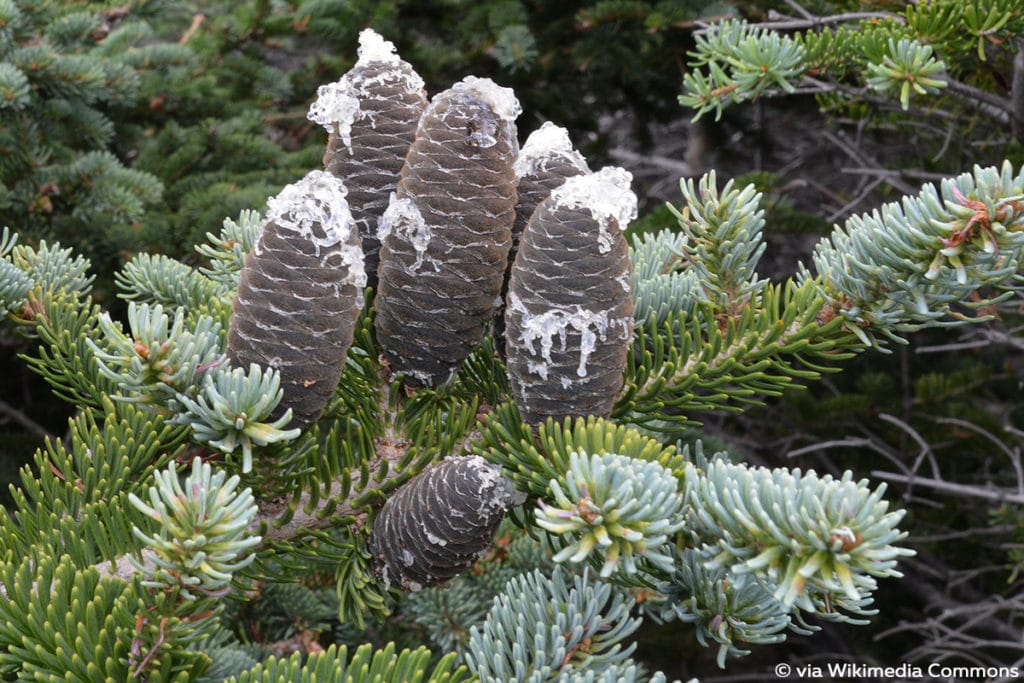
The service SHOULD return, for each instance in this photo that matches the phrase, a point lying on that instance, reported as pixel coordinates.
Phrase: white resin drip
(403, 218)
(606, 194)
(556, 323)
(502, 101)
(335, 108)
(538, 368)
(319, 199)
(337, 104)
(502, 494)
(626, 280)
(373, 48)
(547, 143)
(423, 377)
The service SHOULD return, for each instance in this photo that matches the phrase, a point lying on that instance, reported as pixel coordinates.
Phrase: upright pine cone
(569, 314)
(371, 115)
(445, 236)
(300, 293)
(545, 161)
(439, 522)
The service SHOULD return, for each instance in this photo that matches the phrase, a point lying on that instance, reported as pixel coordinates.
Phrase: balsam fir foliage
(206, 507)
(110, 532)
(622, 508)
(334, 666)
(956, 62)
(138, 127)
(592, 621)
(822, 564)
(62, 89)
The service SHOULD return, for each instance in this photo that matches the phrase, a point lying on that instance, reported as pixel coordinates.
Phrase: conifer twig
(304, 520)
(24, 420)
(1017, 94)
(996, 108)
(197, 21)
(818, 22)
(952, 488)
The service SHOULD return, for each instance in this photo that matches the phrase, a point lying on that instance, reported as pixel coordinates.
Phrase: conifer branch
(812, 21)
(740, 331)
(898, 269)
(952, 488)
(994, 107)
(1017, 93)
(24, 420)
(279, 521)
(737, 61)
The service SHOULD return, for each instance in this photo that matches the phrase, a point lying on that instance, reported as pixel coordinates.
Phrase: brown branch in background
(798, 8)
(305, 641)
(865, 165)
(15, 415)
(991, 105)
(1017, 95)
(952, 488)
(197, 21)
(967, 621)
(777, 23)
(634, 160)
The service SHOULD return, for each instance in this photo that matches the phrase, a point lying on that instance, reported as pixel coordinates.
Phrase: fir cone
(569, 314)
(546, 160)
(371, 115)
(299, 295)
(438, 523)
(446, 233)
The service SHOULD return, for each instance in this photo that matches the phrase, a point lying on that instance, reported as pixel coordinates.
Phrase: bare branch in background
(1017, 94)
(952, 488)
(14, 415)
(962, 622)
